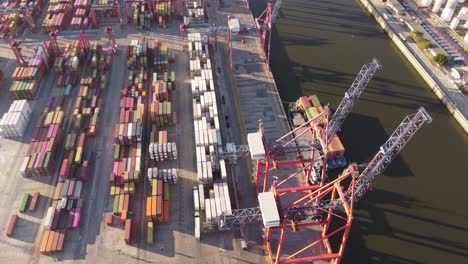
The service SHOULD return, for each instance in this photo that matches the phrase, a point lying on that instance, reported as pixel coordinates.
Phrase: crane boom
(351, 96)
(388, 151)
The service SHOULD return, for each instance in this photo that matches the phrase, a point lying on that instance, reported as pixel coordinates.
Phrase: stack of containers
(160, 149)
(219, 201)
(129, 129)
(14, 122)
(211, 171)
(157, 205)
(52, 241)
(128, 134)
(40, 157)
(26, 80)
(141, 16)
(163, 11)
(58, 15)
(194, 12)
(312, 108)
(75, 167)
(80, 18)
(67, 65)
(166, 175)
(15, 22)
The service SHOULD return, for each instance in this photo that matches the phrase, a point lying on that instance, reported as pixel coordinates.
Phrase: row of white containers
(14, 122)
(205, 134)
(167, 175)
(197, 50)
(200, 84)
(162, 152)
(219, 201)
(207, 139)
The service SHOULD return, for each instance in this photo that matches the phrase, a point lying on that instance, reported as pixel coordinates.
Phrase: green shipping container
(116, 151)
(150, 233)
(24, 203)
(116, 204)
(166, 191)
(315, 100)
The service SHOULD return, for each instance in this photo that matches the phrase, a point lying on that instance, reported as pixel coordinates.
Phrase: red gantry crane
(15, 47)
(286, 212)
(288, 209)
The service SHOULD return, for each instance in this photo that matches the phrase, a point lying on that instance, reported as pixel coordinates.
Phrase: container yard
(132, 137)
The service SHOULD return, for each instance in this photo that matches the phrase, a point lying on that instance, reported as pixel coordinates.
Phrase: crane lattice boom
(351, 96)
(388, 151)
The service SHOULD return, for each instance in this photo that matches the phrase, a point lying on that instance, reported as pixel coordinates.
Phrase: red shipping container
(64, 169)
(128, 229)
(109, 218)
(11, 225)
(71, 188)
(34, 201)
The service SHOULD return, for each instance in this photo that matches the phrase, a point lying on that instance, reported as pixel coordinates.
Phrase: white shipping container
(213, 209)
(201, 192)
(24, 166)
(195, 200)
(208, 209)
(197, 228)
(200, 171)
(217, 200)
(222, 165)
(256, 147)
(208, 64)
(205, 135)
(221, 197)
(212, 87)
(205, 172)
(49, 217)
(209, 171)
(227, 198)
(210, 72)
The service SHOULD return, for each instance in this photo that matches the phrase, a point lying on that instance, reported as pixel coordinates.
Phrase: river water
(417, 212)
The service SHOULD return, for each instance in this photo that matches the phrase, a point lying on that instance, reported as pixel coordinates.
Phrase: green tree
(440, 59)
(426, 44)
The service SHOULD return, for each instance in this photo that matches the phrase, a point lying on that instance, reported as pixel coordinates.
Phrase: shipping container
(128, 227)
(11, 225)
(24, 203)
(34, 201)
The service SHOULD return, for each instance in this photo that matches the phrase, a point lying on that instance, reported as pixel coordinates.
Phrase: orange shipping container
(61, 241)
(148, 209)
(55, 242)
(43, 247)
(154, 206)
(50, 241)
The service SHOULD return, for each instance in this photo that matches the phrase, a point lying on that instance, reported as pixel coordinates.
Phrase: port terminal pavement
(255, 97)
(455, 101)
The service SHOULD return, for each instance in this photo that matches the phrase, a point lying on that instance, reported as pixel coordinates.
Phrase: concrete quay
(455, 101)
(251, 95)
